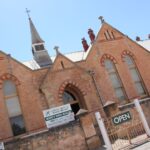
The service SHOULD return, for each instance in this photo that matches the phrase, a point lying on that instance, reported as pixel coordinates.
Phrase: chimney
(85, 45)
(91, 35)
(149, 36)
(138, 38)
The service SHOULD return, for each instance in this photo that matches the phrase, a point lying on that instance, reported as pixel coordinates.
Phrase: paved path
(145, 146)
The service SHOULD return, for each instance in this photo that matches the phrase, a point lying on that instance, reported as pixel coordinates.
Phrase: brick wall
(68, 137)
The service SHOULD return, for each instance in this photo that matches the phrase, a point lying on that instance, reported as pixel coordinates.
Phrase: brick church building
(105, 76)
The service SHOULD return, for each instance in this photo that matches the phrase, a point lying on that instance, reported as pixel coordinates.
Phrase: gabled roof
(58, 60)
(8, 55)
(82, 55)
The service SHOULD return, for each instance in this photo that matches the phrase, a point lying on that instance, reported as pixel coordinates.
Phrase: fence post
(142, 116)
(103, 131)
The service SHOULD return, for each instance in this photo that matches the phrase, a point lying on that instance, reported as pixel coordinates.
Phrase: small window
(62, 64)
(109, 35)
(112, 33)
(39, 47)
(106, 36)
(13, 108)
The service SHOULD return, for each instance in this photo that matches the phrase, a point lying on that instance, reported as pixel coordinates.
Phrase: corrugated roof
(145, 44)
(74, 56)
(78, 55)
(32, 64)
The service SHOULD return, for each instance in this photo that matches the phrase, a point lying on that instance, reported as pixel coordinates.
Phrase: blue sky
(65, 22)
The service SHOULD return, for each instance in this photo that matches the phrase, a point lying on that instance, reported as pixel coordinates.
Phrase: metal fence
(127, 133)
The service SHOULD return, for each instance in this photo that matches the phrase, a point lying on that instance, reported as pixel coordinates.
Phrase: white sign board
(2, 146)
(58, 116)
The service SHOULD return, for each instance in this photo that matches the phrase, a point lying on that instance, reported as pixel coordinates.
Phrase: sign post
(142, 116)
(2, 146)
(103, 131)
(58, 115)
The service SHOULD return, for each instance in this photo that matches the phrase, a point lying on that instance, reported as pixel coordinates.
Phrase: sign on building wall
(58, 116)
(121, 118)
(2, 146)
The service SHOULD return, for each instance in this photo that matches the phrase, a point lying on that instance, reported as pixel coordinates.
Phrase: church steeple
(39, 52)
(34, 34)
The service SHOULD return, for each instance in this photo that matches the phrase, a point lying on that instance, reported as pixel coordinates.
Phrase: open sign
(121, 118)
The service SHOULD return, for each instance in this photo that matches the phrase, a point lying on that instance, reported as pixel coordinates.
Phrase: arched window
(73, 97)
(115, 79)
(135, 75)
(13, 108)
(68, 97)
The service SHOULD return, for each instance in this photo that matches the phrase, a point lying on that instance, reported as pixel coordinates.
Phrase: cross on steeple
(28, 11)
(56, 48)
(101, 18)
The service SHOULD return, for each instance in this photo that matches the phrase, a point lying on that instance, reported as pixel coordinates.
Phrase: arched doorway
(73, 96)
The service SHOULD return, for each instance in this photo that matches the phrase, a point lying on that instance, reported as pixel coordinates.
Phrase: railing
(127, 133)
(125, 137)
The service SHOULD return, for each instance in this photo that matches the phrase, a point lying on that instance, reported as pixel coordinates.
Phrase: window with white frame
(115, 79)
(135, 75)
(13, 108)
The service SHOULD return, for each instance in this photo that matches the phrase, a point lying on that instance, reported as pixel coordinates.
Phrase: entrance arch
(70, 93)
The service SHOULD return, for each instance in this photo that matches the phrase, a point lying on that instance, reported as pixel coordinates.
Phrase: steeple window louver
(39, 47)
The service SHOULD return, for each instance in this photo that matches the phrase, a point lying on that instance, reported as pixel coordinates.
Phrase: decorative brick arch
(8, 76)
(107, 56)
(63, 86)
(127, 52)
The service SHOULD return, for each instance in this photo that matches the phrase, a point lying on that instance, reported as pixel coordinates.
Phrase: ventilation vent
(109, 35)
